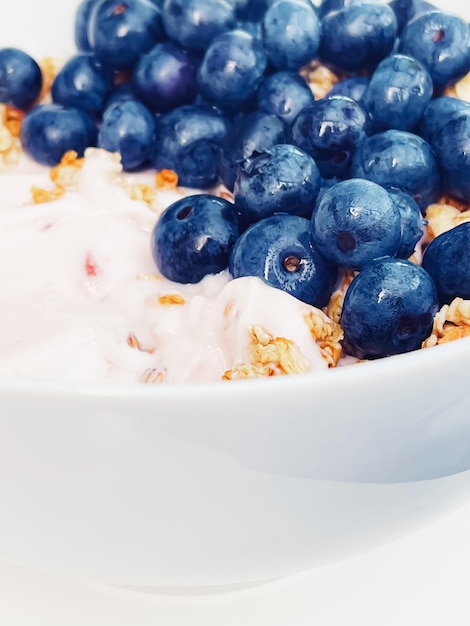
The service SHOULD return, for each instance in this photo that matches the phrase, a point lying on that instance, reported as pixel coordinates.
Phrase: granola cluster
(10, 145)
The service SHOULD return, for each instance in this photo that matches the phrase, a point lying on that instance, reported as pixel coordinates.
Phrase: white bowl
(227, 483)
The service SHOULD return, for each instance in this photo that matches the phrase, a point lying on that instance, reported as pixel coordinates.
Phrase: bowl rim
(328, 380)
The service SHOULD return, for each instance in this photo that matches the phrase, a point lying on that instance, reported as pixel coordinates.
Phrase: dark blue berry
(412, 223)
(447, 259)
(278, 250)
(441, 42)
(231, 70)
(353, 87)
(193, 24)
(452, 148)
(119, 32)
(194, 237)
(283, 179)
(188, 140)
(358, 37)
(355, 222)
(250, 134)
(165, 78)
(81, 84)
(20, 78)
(119, 94)
(330, 131)
(389, 308)
(50, 130)
(397, 158)
(437, 113)
(328, 6)
(284, 94)
(128, 128)
(82, 17)
(398, 93)
(291, 34)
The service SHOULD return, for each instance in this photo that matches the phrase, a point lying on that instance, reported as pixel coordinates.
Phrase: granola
(450, 323)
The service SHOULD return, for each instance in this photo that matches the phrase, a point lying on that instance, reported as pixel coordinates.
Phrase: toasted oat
(10, 146)
(335, 305)
(166, 179)
(443, 217)
(451, 201)
(170, 299)
(65, 175)
(153, 376)
(327, 334)
(460, 90)
(142, 192)
(46, 195)
(50, 67)
(451, 322)
(269, 356)
(320, 78)
(133, 342)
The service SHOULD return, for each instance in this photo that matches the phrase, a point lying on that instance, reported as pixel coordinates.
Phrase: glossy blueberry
(194, 237)
(119, 32)
(251, 11)
(389, 308)
(397, 158)
(278, 250)
(50, 130)
(441, 42)
(404, 11)
(193, 24)
(452, 148)
(283, 179)
(284, 94)
(412, 223)
(188, 140)
(291, 34)
(128, 128)
(81, 84)
(437, 113)
(231, 70)
(165, 78)
(328, 6)
(353, 87)
(120, 93)
(398, 93)
(358, 37)
(82, 17)
(355, 222)
(447, 259)
(20, 78)
(250, 134)
(330, 130)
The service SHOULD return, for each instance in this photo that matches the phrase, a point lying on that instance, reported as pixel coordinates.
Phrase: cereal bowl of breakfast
(235, 284)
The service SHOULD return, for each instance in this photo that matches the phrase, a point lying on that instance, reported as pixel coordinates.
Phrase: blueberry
(283, 179)
(330, 131)
(328, 6)
(119, 32)
(404, 11)
(188, 140)
(389, 308)
(284, 94)
(194, 237)
(231, 70)
(291, 34)
(358, 37)
(278, 250)
(50, 130)
(193, 24)
(119, 94)
(128, 128)
(20, 78)
(353, 87)
(398, 93)
(165, 78)
(81, 84)
(412, 223)
(82, 17)
(452, 147)
(250, 134)
(441, 42)
(447, 259)
(437, 113)
(397, 158)
(355, 222)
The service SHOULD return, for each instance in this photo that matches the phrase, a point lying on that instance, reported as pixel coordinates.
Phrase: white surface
(419, 580)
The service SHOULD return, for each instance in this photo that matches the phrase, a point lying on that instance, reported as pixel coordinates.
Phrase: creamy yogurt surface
(81, 298)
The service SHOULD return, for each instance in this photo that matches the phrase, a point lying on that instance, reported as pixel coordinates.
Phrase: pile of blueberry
(211, 89)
